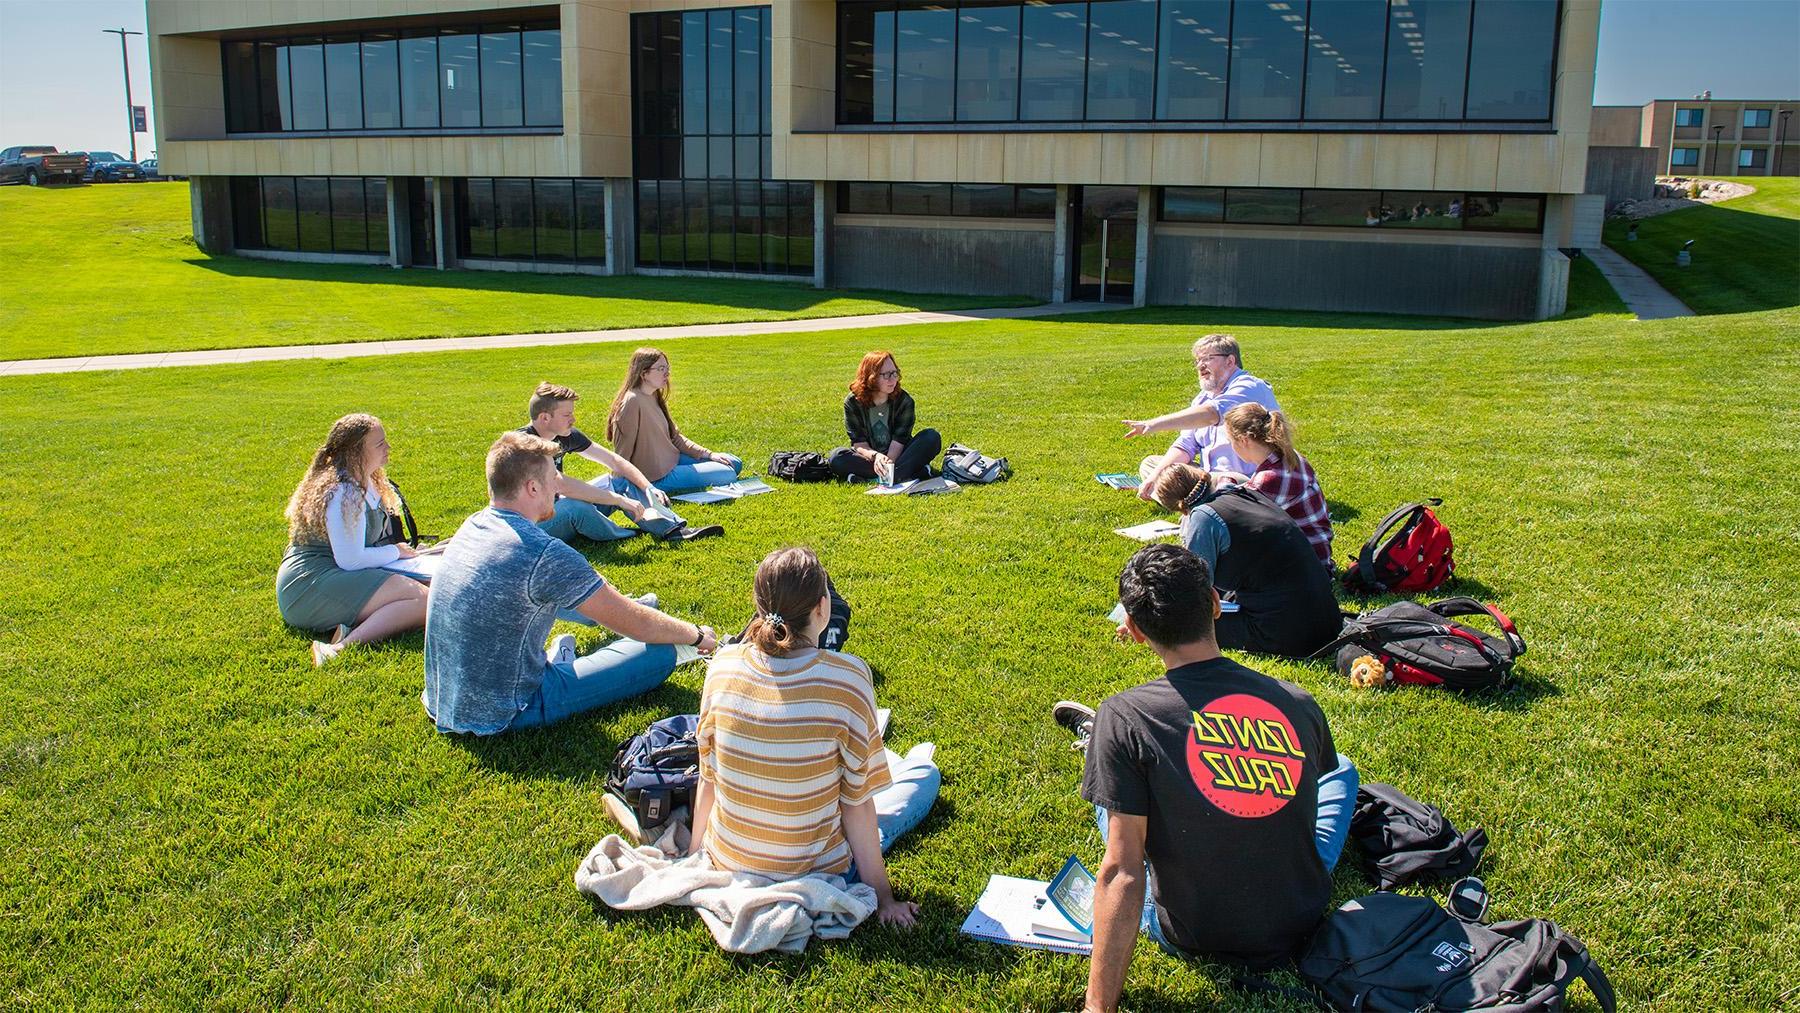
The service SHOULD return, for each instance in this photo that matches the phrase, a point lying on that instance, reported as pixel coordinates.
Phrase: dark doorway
(1104, 259)
(421, 223)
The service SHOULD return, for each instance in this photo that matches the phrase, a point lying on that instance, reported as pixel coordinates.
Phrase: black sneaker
(1077, 718)
(688, 534)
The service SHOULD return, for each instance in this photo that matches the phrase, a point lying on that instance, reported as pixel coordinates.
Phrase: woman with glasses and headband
(643, 432)
(878, 419)
(1203, 441)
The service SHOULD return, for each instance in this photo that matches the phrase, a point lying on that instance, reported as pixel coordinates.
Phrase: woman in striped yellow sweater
(794, 777)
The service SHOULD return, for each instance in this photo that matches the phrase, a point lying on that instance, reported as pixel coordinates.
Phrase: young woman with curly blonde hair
(331, 577)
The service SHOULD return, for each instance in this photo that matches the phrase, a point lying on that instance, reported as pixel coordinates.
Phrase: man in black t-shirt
(1220, 781)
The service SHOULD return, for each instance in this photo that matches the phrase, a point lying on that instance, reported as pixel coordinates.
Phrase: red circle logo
(1244, 756)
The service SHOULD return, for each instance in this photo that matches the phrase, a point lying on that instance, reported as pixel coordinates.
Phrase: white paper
(882, 716)
(1117, 615)
(422, 567)
(656, 514)
(891, 490)
(1007, 911)
(1150, 531)
(729, 491)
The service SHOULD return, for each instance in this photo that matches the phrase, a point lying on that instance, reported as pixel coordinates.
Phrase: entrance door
(421, 221)
(1105, 255)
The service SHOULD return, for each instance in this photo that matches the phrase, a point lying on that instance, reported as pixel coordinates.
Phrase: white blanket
(745, 913)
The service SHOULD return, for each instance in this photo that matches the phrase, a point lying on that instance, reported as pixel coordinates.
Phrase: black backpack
(402, 528)
(657, 772)
(1404, 840)
(1424, 645)
(1388, 951)
(800, 466)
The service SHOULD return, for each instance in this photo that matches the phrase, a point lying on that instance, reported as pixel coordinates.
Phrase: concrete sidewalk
(1642, 295)
(645, 335)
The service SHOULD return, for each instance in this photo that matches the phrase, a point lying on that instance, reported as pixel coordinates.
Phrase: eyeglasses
(663, 368)
(889, 374)
(1198, 359)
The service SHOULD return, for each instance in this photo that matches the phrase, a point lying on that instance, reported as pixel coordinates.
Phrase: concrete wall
(1333, 269)
(1617, 127)
(975, 256)
(1622, 174)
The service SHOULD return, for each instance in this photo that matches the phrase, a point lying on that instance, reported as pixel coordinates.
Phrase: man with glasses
(1203, 441)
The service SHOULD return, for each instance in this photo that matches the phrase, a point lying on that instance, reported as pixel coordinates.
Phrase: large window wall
(1253, 61)
(1389, 209)
(959, 200)
(489, 77)
(545, 221)
(310, 214)
(705, 199)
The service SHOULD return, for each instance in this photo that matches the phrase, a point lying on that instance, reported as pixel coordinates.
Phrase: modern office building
(1705, 136)
(1420, 156)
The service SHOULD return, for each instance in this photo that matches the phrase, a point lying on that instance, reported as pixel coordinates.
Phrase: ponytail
(1251, 421)
(1178, 485)
(789, 584)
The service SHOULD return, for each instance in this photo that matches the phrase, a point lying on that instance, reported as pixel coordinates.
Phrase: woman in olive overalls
(331, 578)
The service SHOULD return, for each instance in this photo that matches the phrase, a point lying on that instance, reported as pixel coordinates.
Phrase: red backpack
(1410, 551)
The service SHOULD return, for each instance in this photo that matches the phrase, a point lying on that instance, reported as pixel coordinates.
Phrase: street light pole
(130, 114)
(1781, 140)
(1717, 130)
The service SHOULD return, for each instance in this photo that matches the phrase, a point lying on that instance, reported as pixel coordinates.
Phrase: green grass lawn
(191, 815)
(1746, 253)
(158, 292)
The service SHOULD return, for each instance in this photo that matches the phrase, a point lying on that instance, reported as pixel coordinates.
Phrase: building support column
(1140, 268)
(441, 192)
(1059, 259)
(621, 226)
(824, 206)
(209, 200)
(399, 223)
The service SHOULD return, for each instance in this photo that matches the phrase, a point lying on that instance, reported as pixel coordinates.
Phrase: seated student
(1253, 549)
(1223, 386)
(643, 432)
(331, 577)
(1222, 799)
(498, 590)
(582, 507)
(878, 419)
(794, 778)
(1260, 435)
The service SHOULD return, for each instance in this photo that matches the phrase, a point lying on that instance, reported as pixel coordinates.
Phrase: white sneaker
(649, 600)
(323, 653)
(562, 650)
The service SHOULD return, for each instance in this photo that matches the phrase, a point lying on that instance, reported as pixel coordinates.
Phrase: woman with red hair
(878, 419)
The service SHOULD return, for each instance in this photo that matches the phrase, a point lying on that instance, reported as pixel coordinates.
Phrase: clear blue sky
(60, 81)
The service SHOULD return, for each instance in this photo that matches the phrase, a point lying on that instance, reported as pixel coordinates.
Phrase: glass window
(1503, 213)
(1262, 207)
(748, 246)
(1035, 202)
(1193, 50)
(1052, 53)
(381, 81)
(1413, 209)
(375, 205)
(671, 224)
(240, 88)
(542, 48)
(922, 199)
(281, 230)
(863, 198)
(1268, 58)
(246, 210)
(512, 219)
(718, 72)
(1753, 158)
(1193, 204)
(553, 219)
(1692, 117)
(658, 73)
(477, 218)
(718, 157)
(774, 236)
(693, 157)
(924, 71)
(747, 93)
(1344, 41)
(271, 86)
(693, 74)
(284, 89)
(1121, 59)
(590, 221)
(1756, 117)
(502, 98)
(1512, 51)
(866, 49)
(418, 79)
(1359, 208)
(982, 200)
(648, 235)
(1428, 49)
(312, 195)
(1684, 156)
(800, 228)
(723, 217)
(349, 215)
(768, 63)
(987, 61)
(748, 164)
(343, 84)
(306, 64)
(459, 78)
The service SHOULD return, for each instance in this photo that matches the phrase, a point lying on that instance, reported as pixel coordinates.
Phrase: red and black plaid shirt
(1296, 490)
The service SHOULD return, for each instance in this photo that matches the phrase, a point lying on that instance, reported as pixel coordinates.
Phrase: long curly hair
(338, 461)
(864, 387)
(642, 361)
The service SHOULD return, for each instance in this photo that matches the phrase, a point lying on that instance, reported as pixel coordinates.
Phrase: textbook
(1014, 912)
(421, 568)
(917, 487)
(1150, 531)
(1119, 480)
(726, 493)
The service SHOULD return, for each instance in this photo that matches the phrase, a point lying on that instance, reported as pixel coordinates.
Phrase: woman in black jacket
(878, 419)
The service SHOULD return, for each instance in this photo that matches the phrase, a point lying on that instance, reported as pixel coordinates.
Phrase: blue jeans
(902, 805)
(1331, 828)
(593, 521)
(691, 474)
(621, 669)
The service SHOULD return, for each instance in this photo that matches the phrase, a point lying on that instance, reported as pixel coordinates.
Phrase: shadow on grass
(575, 749)
(1340, 512)
(1743, 261)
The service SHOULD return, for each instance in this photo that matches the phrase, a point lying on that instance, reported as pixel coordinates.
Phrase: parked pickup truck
(33, 164)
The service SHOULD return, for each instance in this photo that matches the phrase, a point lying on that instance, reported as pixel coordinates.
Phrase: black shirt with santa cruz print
(1225, 764)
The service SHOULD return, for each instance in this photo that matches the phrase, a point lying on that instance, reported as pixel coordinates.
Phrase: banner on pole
(138, 120)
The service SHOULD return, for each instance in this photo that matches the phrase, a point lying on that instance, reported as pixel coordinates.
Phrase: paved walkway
(646, 335)
(1642, 295)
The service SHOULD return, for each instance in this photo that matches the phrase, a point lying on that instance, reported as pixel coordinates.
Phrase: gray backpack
(967, 466)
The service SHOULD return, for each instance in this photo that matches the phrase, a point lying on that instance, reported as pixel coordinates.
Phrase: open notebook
(726, 493)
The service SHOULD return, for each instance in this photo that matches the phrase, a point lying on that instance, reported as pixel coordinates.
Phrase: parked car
(112, 167)
(33, 164)
(151, 172)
